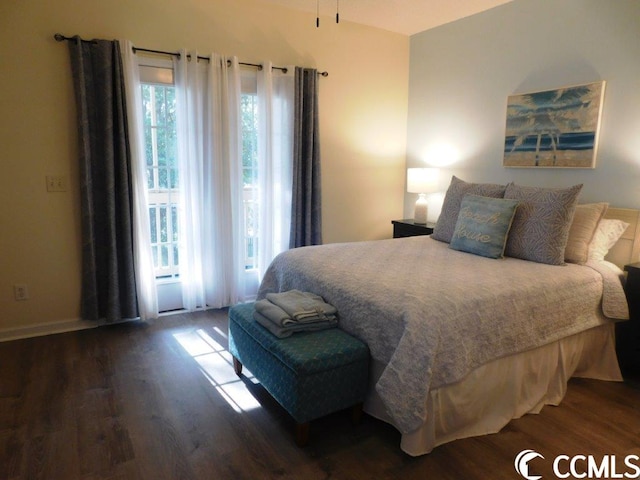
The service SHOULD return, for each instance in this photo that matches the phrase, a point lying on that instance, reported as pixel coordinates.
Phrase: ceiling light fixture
(318, 12)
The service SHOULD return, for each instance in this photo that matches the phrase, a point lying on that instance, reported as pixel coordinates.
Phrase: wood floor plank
(11, 453)
(162, 401)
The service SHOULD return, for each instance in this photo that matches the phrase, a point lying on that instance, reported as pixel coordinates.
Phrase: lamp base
(420, 211)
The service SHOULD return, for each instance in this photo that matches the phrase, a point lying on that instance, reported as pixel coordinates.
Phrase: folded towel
(302, 306)
(284, 332)
(273, 313)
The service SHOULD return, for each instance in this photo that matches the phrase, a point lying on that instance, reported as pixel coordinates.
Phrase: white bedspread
(433, 314)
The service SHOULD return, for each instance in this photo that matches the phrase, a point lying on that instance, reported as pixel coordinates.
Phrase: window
(249, 120)
(159, 109)
(160, 142)
(163, 178)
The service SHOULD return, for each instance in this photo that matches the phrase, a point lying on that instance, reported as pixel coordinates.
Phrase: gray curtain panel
(306, 214)
(108, 280)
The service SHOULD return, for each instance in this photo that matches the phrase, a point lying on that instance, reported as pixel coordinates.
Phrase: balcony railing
(163, 214)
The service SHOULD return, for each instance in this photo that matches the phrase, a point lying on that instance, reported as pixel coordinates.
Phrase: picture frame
(554, 128)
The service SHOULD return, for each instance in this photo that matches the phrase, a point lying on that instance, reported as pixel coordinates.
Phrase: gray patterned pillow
(541, 225)
(446, 223)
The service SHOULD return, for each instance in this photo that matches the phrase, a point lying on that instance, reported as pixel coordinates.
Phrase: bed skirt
(507, 388)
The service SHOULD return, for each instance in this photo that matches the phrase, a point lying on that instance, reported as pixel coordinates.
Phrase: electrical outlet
(20, 292)
(56, 183)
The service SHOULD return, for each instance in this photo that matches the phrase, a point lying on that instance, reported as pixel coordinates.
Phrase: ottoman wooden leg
(237, 366)
(302, 434)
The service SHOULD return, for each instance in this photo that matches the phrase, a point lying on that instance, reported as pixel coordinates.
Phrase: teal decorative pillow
(483, 225)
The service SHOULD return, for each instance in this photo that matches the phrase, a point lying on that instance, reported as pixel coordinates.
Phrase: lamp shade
(422, 180)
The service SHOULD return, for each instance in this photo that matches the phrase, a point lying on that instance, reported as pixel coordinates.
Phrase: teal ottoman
(311, 374)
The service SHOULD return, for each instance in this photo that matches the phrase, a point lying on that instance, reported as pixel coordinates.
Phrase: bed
(461, 343)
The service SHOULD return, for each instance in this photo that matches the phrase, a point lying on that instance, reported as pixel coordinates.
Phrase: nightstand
(628, 333)
(408, 228)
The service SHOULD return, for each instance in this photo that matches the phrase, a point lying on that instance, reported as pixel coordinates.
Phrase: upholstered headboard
(627, 250)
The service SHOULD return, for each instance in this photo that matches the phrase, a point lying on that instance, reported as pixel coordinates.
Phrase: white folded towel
(302, 306)
(284, 332)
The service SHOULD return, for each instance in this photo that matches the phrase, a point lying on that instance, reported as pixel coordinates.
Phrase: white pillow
(585, 222)
(607, 234)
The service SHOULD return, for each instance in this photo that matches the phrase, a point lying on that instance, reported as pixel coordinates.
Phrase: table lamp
(421, 181)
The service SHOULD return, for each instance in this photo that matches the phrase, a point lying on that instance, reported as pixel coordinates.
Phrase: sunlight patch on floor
(217, 365)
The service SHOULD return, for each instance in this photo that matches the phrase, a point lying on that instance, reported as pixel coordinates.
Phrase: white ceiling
(401, 16)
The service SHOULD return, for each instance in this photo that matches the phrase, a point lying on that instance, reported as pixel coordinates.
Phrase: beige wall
(363, 115)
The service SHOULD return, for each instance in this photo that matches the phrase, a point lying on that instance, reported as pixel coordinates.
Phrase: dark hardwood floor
(161, 401)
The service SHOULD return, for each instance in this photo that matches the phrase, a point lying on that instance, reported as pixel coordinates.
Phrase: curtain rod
(61, 38)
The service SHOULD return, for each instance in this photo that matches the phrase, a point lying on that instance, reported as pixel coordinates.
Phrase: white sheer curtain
(143, 259)
(211, 215)
(210, 165)
(276, 91)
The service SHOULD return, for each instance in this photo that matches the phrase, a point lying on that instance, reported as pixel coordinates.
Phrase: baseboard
(63, 326)
(42, 329)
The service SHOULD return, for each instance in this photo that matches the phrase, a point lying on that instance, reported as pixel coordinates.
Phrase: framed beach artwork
(554, 128)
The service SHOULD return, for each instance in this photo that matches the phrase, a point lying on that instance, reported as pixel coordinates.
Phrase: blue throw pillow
(483, 225)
